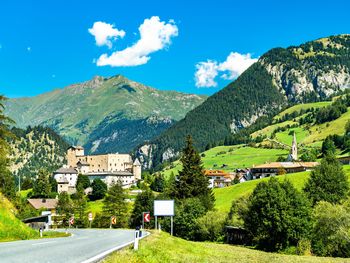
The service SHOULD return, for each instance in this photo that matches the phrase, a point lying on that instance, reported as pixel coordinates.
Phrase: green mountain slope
(78, 112)
(310, 72)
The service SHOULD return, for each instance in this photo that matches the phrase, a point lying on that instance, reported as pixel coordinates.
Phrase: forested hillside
(35, 148)
(314, 71)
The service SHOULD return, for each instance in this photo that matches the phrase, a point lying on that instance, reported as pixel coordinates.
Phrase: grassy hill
(225, 196)
(12, 228)
(307, 134)
(238, 156)
(165, 248)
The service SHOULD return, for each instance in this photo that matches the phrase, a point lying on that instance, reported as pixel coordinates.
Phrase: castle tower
(294, 150)
(72, 153)
(136, 169)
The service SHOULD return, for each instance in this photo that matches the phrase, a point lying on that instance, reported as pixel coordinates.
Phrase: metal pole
(156, 223)
(143, 220)
(19, 183)
(171, 226)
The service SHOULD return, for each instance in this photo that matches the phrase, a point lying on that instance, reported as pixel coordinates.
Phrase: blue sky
(46, 44)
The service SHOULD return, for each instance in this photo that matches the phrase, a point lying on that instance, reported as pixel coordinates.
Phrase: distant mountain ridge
(310, 72)
(97, 113)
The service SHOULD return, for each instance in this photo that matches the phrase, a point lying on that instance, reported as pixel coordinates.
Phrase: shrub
(278, 215)
(211, 226)
(331, 231)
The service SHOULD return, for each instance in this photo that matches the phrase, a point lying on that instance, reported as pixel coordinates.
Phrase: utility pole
(19, 183)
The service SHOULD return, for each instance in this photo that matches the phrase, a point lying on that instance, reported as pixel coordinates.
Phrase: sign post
(146, 218)
(164, 208)
(90, 218)
(113, 221)
(71, 221)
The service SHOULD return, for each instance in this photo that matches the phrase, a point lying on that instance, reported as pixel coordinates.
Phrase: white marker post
(136, 239)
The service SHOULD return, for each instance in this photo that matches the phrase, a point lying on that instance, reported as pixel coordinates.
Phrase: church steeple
(294, 151)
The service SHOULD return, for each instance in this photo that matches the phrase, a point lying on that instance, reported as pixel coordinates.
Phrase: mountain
(313, 71)
(35, 148)
(104, 114)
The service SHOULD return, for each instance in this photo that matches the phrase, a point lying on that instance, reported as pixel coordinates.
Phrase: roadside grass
(161, 247)
(11, 228)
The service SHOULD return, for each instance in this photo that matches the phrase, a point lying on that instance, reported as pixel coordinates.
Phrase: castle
(110, 168)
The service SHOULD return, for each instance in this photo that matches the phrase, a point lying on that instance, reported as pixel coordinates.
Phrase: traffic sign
(90, 216)
(71, 220)
(146, 217)
(113, 220)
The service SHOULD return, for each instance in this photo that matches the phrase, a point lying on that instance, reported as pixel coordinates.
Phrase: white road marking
(104, 254)
(36, 244)
(80, 238)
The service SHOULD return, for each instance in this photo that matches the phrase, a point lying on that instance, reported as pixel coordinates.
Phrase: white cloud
(104, 33)
(206, 74)
(155, 35)
(234, 65)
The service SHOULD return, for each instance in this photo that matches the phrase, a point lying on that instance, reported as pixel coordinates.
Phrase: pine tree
(328, 147)
(42, 186)
(143, 203)
(80, 205)
(65, 208)
(99, 189)
(327, 182)
(83, 181)
(114, 204)
(191, 181)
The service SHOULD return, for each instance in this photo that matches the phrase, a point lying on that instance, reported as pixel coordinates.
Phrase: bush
(278, 215)
(331, 231)
(185, 223)
(211, 226)
(304, 247)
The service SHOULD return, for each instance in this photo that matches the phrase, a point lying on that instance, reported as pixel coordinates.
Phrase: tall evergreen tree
(65, 208)
(99, 189)
(80, 205)
(7, 182)
(42, 186)
(143, 203)
(191, 181)
(83, 181)
(327, 182)
(114, 204)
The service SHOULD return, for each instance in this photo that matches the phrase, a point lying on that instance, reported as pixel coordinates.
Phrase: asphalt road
(83, 246)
